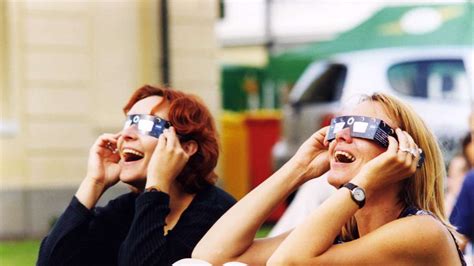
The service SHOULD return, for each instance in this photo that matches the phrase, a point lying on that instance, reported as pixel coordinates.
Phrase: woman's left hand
(397, 163)
(167, 161)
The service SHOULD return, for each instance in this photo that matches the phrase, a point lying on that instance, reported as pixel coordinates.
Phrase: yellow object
(264, 114)
(234, 156)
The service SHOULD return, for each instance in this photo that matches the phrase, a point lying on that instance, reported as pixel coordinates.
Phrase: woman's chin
(134, 180)
(338, 178)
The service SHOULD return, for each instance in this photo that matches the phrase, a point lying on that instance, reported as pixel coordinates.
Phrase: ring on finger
(413, 152)
(416, 151)
(403, 149)
(408, 150)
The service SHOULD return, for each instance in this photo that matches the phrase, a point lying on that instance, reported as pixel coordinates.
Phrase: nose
(344, 135)
(130, 133)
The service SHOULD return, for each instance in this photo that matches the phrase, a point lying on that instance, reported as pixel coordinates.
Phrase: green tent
(421, 25)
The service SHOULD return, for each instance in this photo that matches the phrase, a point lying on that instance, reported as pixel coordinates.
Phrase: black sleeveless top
(410, 211)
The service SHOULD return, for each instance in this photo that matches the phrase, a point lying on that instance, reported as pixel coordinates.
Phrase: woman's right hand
(391, 166)
(312, 156)
(102, 167)
(168, 160)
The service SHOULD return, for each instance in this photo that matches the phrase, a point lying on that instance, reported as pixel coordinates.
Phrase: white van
(435, 81)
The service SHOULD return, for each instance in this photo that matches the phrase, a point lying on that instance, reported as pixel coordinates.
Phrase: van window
(327, 87)
(434, 79)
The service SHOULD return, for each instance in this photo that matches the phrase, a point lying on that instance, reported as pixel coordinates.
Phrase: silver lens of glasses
(145, 125)
(360, 127)
(339, 126)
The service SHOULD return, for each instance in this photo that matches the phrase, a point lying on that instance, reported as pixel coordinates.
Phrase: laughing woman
(166, 152)
(387, 210)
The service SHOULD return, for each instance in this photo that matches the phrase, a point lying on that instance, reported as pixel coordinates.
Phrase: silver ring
(412, 151)
(416, 151)
(403, 149)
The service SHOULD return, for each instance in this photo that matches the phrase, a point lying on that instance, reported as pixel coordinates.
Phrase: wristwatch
(153, 189)
(357, 194)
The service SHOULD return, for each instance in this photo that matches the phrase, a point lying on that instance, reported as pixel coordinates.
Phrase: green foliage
(19, 253)
(264, 230)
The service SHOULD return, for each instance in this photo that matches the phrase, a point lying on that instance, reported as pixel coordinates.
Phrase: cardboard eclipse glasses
(366, 128)
(147, 124)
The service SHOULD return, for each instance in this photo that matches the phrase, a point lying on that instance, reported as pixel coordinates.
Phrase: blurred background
(271, 71)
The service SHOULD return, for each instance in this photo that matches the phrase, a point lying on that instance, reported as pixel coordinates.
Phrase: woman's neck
(381, 208)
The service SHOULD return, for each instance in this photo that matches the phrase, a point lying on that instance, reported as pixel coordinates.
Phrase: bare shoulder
(413, 240)
(423, 227)
(422, 236)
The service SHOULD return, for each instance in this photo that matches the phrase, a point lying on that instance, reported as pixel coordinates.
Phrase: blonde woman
(388, 208)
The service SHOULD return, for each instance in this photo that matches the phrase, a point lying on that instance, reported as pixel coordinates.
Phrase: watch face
(359, 194)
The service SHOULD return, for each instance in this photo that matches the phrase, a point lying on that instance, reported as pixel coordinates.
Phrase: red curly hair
(191, 119)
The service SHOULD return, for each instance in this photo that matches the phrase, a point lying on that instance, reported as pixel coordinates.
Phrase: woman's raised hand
(102, 166)
(167, 161)
(313, 157)
(397, 163)
(103, 170)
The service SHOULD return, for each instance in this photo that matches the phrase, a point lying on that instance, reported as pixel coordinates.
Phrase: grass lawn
(19, 253)
(264, 230)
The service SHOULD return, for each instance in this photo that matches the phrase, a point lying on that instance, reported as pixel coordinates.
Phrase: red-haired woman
(167, 151)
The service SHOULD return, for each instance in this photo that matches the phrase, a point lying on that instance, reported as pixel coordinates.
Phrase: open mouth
(344, 157)
(130, 155)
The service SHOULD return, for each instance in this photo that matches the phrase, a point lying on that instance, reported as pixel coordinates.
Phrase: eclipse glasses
(362, 127)
(366, 128)
(147, 124)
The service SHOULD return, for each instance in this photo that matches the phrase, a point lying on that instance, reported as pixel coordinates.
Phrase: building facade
(66, 70)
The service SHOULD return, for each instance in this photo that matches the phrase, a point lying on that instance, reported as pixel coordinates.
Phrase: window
(327, 87)
(434, 79)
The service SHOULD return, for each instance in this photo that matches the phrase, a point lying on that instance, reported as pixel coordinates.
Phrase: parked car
(434, 81)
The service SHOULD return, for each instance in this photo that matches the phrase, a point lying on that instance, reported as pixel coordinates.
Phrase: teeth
(345, 154)
(132, 152)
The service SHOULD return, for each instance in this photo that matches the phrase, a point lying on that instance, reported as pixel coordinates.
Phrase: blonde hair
(425, 190)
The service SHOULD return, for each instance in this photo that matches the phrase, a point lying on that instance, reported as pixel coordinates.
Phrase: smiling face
(349, 154)
(136, 149)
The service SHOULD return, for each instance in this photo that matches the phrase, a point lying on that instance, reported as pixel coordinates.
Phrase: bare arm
(415, 240)
(312, 242)
(102, 170)
(232, 237)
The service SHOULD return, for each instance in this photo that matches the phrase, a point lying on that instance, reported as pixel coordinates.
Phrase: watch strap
(352, 187)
